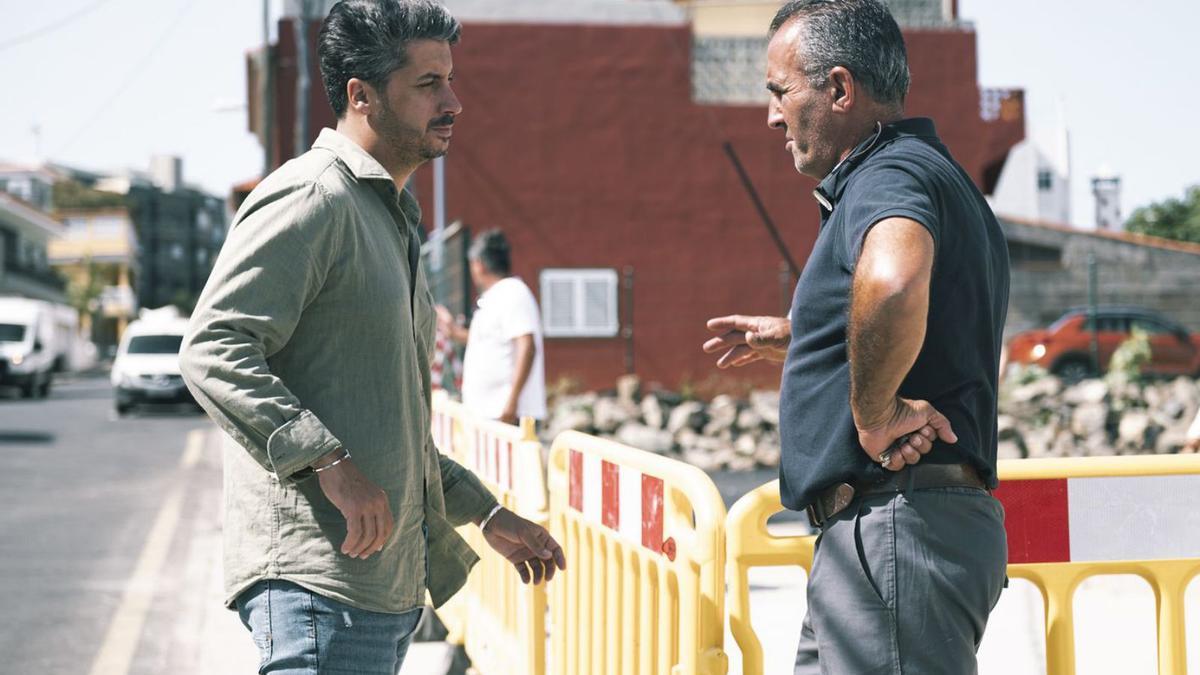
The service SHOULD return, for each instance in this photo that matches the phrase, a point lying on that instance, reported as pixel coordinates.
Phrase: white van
(146, 369)
(28, 346)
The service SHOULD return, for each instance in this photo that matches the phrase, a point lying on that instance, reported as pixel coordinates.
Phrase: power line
(130, 78)
(51, 27)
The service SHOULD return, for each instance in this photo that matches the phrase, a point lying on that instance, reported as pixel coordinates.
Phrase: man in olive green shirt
(310, 347)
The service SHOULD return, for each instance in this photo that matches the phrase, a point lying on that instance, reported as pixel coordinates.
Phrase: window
(1152, 327)
(20, 187)
(109, 226)
(579, 302)
(1109, 323)
(155, 344)
(11, 332)
(1045, 180)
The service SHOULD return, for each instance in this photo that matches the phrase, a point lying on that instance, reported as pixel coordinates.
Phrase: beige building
(98, 256)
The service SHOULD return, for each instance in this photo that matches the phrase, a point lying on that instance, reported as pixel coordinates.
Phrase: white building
(25, 233)
(1035, 183)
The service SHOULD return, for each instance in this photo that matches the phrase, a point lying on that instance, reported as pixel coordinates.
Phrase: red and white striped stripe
(442, 430)
(437, 368)
(619, 498)
(491, 458)
(1102, 519)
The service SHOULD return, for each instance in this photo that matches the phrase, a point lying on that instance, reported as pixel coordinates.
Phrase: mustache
(444, 121)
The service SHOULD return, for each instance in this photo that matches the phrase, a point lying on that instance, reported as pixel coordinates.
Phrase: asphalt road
(109, 534)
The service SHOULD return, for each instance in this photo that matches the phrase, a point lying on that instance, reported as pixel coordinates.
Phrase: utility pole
(268, 90)
(1093, 312)
(300, 143)
(439, 213)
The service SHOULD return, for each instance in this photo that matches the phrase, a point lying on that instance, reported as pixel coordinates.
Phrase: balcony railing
(46, 277)
(1004, 105)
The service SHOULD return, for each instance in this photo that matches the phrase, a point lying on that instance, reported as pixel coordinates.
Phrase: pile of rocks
(724, 433)
(1097, 417)
(1039, 417)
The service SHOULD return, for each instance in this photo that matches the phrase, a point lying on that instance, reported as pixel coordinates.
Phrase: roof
(1124, 237)
(27, 217)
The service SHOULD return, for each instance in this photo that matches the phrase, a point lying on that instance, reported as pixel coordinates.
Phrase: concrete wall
(1130, 270)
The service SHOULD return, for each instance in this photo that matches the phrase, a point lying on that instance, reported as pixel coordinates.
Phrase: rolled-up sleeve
(467, 499)
(272, 265)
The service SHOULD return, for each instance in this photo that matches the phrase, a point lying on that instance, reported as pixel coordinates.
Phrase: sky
(108, 83)
(1126, 73)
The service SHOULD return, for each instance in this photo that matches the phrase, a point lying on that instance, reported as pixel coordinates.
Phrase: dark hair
(859, 35)
(368, 39)
(491, 248)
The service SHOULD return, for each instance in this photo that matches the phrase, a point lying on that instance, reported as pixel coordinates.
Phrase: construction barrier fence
(1067, 520)
(645, 545)
(499, 621)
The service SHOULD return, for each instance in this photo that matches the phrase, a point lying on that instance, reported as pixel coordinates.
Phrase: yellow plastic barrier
(644, 539)
(1067, 520)
(500, 621)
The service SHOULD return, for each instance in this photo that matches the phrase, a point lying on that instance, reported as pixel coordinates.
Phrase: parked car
(1065, 348)
(28, 345)
(146, 368)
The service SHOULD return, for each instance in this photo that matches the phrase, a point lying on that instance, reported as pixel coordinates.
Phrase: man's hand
(447, 324)
(509, 415)
(746, 339)
(905, 432)
(369, 521)
(528, 546)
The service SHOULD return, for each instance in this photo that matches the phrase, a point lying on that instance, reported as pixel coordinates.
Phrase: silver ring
(885, 456)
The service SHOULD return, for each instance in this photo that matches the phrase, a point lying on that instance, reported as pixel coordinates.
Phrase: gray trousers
(904, 583)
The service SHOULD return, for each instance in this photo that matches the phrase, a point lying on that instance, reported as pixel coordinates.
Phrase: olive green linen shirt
(314, 332)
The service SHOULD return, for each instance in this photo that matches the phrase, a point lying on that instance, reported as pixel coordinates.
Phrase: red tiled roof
(1124, 237)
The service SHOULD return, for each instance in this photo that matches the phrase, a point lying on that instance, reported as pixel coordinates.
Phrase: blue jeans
(299, 632)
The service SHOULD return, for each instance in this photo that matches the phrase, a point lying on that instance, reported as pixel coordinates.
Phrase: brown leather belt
(835, 498)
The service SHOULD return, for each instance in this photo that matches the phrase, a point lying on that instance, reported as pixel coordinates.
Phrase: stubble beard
(409, 145)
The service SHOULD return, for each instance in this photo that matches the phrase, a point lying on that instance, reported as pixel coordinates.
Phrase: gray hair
(491, 248)
(368, 39)
(859, 35)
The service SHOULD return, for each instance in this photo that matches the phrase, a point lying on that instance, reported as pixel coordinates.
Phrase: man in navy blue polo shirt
(890, 357)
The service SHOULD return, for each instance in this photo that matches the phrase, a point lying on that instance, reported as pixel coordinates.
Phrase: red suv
(1065, 348)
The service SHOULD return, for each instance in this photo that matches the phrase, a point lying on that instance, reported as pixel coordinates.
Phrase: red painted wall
(583, 144)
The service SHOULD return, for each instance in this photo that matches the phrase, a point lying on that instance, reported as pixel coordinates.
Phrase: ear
(360, 96)
(843, 88)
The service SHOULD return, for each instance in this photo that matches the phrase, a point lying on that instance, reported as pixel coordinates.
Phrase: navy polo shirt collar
(829, 190)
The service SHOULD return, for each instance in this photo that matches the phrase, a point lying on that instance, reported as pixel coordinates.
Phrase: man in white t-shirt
(503, 371)
(1192, 438)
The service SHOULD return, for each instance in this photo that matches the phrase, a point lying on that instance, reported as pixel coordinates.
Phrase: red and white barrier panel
(492, 459)
(620, 498)
(1102, 519)
(443, 432)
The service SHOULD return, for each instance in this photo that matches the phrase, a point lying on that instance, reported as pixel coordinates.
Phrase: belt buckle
(839, 496)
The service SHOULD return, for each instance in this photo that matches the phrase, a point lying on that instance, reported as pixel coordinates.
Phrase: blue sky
(1126, 73)
(131, 78)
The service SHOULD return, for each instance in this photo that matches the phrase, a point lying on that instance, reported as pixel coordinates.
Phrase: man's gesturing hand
(528, 546)
(365, 506)
(746, 339)
(905, 432)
